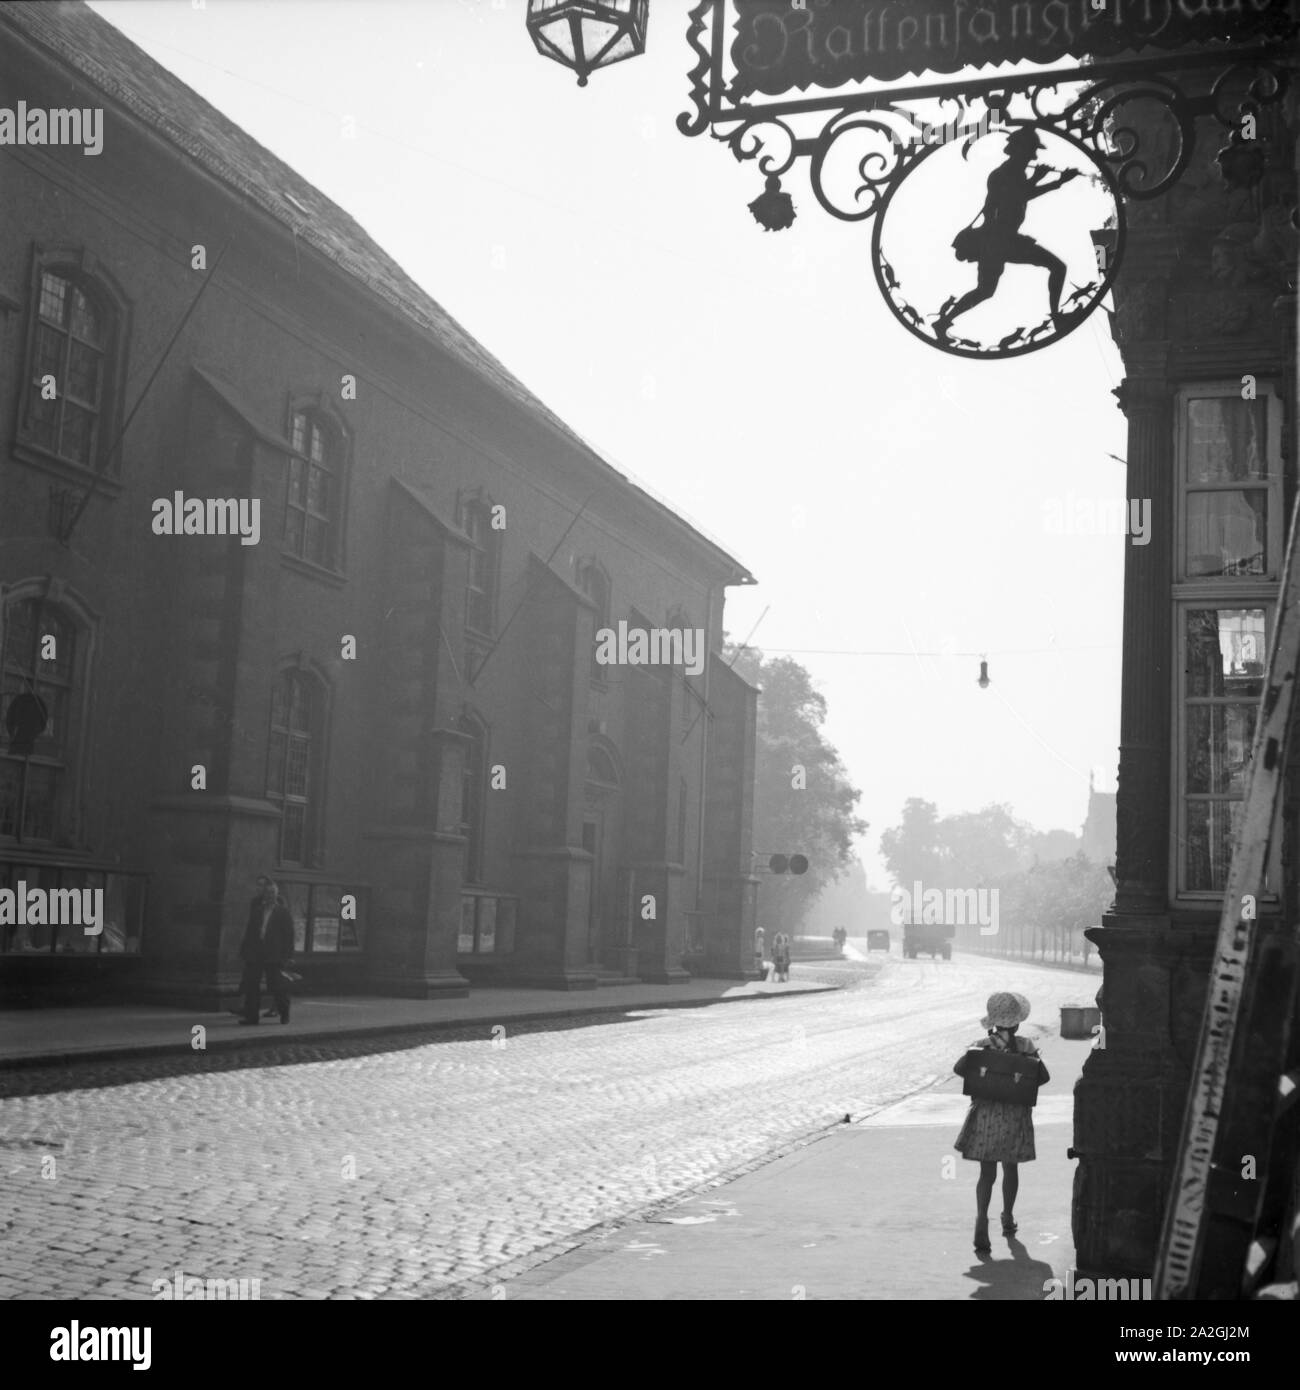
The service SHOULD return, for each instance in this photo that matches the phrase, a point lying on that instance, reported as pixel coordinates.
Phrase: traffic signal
(793, 863)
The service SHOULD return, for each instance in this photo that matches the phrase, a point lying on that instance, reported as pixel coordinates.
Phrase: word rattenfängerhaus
(179, 515)
(60, 907)
(61, 126)
(656, 646)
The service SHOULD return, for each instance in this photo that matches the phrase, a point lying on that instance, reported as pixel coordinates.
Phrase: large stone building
(391, 699)
(1205, 319)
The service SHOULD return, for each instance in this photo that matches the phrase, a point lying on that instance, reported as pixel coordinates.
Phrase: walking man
(266, 948)
(998, 241)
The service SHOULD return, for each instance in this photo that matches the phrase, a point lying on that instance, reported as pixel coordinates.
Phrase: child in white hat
(999, 1131)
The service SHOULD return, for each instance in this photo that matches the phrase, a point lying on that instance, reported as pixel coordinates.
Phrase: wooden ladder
(1237, 1150)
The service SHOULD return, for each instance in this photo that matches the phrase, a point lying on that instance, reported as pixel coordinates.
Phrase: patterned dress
(998, 1131)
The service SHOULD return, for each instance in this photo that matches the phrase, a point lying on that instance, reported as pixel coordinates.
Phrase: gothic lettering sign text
(826, 43)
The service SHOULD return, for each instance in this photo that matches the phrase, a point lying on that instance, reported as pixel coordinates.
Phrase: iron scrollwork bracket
(861, 147)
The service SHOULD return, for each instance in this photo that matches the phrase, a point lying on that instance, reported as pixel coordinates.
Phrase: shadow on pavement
(1020, 1278)
(90, 1073)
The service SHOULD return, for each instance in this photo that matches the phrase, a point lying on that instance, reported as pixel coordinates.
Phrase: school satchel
(988, 1074)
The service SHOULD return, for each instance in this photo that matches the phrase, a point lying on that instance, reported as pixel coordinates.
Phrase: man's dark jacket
(276, 945)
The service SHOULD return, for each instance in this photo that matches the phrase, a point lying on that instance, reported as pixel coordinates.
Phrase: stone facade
(389, 701)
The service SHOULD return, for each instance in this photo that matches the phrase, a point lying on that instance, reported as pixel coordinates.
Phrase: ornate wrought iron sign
(998, 201)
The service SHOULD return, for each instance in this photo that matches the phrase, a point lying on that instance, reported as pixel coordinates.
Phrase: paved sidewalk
(881, 1208)
(31, 1037)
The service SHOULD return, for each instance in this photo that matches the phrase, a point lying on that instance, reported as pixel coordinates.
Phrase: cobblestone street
(343, 1171)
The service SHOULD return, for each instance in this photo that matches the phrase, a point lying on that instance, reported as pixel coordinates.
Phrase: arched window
(42, 657)
(294, 762)
(594, 582)
(484, 565)
(313, 506)
(473, 795)
(71, 360)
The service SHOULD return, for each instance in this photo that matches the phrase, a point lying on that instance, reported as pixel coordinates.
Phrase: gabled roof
(81, 40)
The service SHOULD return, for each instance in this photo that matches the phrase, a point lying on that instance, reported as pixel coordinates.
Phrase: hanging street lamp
(588, 34)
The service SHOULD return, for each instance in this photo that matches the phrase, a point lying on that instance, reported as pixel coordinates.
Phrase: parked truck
(928, 938)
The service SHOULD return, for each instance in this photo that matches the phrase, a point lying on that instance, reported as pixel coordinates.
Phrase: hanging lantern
(984, 675)
(772, 209)
(588, 34)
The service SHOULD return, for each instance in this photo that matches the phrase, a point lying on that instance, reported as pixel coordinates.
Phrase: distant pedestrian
(265, 951)
(999, 1131)
(781, 957)
(760, 956)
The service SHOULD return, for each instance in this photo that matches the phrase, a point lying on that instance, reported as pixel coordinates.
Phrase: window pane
(1226, 440)
(54, 295)
(87, 321)
(299, 439)
(297, 483)
(1227, 532)
(49, 355)
(295, 772)
(349, 929)
(19, 635)
(295, 895)
(11, 772)
(71, 938)
(293, 521)
(487, 924)
(23, 938)
(279, 704)
(1210, 826)
(83, 374)
(325, 907)
(58, 665)
(465, 941)
(1226, 651)
(1218, 747)
(318, 491)
(275, 765)
(299, 705)
(114, 940)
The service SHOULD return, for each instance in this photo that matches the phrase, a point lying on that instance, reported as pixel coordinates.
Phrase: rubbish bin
(1079, 1020)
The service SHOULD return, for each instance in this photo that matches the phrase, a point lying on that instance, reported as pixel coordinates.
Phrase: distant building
(390, 700)
(1099, 827)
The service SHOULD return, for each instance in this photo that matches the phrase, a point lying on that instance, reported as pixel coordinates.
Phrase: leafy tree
(803, 800)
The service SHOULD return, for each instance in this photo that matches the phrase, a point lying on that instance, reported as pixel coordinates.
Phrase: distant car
(878, 941)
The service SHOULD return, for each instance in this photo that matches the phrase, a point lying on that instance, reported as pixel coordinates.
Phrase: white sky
(887, 496)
